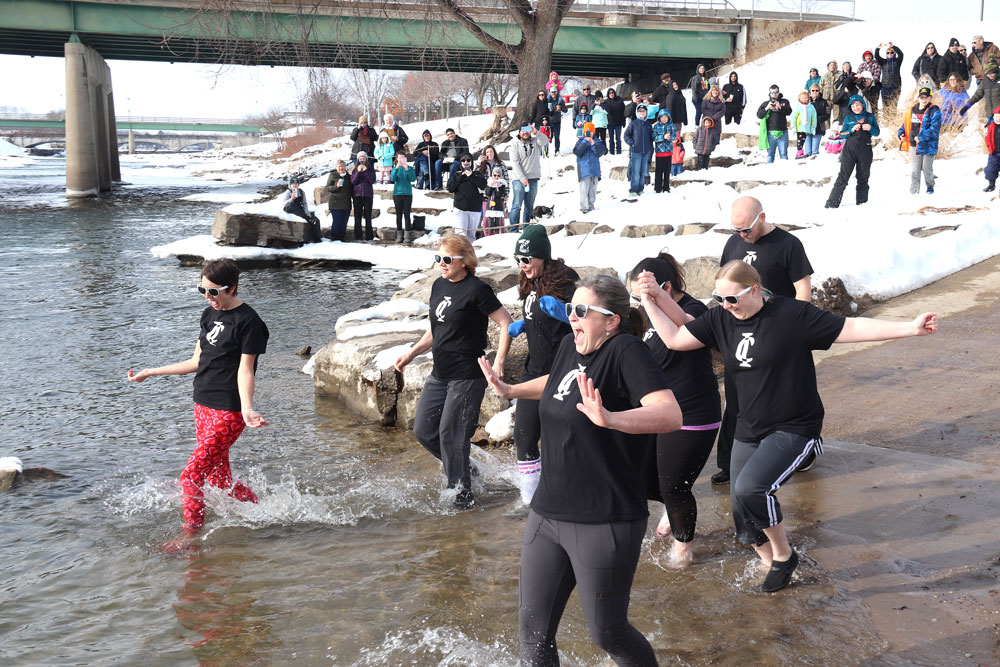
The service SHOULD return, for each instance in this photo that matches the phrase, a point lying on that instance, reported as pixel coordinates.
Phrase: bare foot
(663, 528)
(681, 555)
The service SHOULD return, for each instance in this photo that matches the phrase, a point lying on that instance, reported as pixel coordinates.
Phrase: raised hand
(515, 329)
(499, 386)
(590, 401)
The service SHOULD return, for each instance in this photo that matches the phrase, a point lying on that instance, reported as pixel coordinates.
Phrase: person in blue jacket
(664, 136)
(588, 151)
(639, 139)
(859, 126)
(920, 131)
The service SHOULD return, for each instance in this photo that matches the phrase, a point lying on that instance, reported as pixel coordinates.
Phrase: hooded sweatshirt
(734, 90)
(851, 119)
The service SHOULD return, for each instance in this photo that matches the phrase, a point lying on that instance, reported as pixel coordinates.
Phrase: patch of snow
(310, 367)
(500, 427)
(8, 463)
(375, 328)
(387, 357)
(386, 310)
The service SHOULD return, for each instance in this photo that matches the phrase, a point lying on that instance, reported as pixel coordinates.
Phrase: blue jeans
(781, 144)
(638, 170)
(439, 171)
(677, 169)
(812, 144)
(527, 199)
(556, 128)
(697, 112)
(614, 139)
(338, 226)
(423, 172)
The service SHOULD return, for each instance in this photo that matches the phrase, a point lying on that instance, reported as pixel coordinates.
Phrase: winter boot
(529, 472)
(800, 155)
(991, 187)
(399, 236)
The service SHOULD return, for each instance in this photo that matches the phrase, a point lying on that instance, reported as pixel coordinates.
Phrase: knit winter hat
(534, 242)
(588, 127)
(293, 179)
(362, 118)
(362, 154)
(953, 42)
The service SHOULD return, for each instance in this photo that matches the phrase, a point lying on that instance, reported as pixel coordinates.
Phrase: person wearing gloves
(544, 286)
(920, 131)
(588, 151)
(664, 136)
(859, 126)
(296, 203)
(526, 161)
(362, 180)
(773, 114)
(988, 90)
(402, 178)
(339, 188)
(639, 139)
(467, 185)
(993, 150)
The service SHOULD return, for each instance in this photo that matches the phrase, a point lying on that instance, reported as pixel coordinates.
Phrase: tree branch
(489, 41)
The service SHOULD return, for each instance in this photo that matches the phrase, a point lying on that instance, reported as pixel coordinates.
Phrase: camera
(588, 134)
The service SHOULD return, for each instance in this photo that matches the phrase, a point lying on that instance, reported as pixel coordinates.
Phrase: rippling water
(353, 556)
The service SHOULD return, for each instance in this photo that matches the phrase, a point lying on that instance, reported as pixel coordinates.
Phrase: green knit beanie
(534, 242)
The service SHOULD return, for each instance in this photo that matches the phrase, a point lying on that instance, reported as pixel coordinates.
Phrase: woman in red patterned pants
(224, 362)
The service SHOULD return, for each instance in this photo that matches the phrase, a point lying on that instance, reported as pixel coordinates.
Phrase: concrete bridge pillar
(91, 136)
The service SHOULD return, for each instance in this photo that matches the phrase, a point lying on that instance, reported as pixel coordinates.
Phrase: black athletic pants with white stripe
(757, 470)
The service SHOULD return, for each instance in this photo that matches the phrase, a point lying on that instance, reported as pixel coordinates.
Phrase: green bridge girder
(168, 33)
(139, 125)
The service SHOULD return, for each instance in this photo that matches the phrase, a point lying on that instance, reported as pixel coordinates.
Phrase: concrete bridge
(597, 39)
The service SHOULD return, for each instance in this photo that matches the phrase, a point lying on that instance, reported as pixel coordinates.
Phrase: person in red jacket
(993, 148)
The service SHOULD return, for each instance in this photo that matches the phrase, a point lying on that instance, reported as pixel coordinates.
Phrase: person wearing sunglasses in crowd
(541, 278)
(224, 363)
(766, 344)
(461, 307)
(467, 185)
(603, 394)
(679, 456)
(781, 261)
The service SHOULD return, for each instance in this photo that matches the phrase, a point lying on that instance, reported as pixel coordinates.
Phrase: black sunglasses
(214, 291)
(447, 259)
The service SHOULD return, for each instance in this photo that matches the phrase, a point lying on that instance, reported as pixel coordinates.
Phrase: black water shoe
(780, 574)
(464, 499)
(721, 477)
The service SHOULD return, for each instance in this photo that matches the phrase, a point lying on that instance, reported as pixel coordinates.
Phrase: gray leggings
(598, 558)
(447, 416)
(758, 469)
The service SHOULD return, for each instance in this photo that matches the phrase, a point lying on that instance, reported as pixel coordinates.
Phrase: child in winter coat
(385, 151)
(859, 126)
(705, 141)
(553, 84)
(600, 118)
(993, 148)
(664, 136)
(921, 129)
(495, 203)
(677, 158)
(582, 119)
(588, 151)
(546, 129)
(804, 122)
(402, 177)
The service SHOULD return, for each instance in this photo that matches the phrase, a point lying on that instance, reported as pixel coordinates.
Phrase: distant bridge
(214, 125)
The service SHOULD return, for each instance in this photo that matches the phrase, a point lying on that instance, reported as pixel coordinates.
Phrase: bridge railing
(130, 119)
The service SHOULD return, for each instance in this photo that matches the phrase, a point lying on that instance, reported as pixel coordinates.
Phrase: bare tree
(272, 121)
(324, 98)
(502, 89)
(373, 86)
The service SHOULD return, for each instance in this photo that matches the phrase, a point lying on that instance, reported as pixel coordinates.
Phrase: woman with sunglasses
(602, 395)
(467, 185)
(681, 455)
(461, 306)
(540, 276)
(224, 362)
(766, 344)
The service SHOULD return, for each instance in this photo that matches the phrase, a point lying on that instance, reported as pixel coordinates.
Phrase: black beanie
(534, 242)
(953, 42)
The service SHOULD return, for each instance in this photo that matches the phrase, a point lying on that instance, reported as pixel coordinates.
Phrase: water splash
(440, 646)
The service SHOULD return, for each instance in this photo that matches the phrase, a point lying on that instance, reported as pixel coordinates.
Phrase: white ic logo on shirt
(650, 332)
(743, 349)
(213, 335)
(439, 311)
(751, 257)
(528, 303)
(566, 384)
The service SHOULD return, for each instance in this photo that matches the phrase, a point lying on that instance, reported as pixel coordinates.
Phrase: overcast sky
(197, 91)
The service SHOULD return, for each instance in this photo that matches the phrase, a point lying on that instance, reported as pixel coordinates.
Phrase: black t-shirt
(225, 336)
(769, 357)
(459, 314)
(543, 333)
(778, 257)
(592, 474)
(690, 373)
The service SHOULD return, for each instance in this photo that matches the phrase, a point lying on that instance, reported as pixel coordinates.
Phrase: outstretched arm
(659, 411)
(180, 368)
(503, 320)
(864, 329)
(419, 348)
(531, 390)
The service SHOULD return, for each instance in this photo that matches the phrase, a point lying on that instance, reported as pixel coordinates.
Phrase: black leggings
(733, 116)
(527, 429)
(661, 180)
(602, 134)
(680, 457)
(403, 204)
(727, 432)
(363, 208)
(857, 155)
(600, 560)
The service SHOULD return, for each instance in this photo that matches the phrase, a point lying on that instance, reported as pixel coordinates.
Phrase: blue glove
(899, 134)
(515, 329)
(553, 307)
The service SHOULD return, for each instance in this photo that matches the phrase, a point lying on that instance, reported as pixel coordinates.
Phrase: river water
(354, 556)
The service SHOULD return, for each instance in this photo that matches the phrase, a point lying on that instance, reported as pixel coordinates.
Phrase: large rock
(643, 231)
(258, 230)
(579, 228)
(619, 173)
(693, 228)
(699, 276)
(743, 186)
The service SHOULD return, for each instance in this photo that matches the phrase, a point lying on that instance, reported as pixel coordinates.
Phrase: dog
(542, 212)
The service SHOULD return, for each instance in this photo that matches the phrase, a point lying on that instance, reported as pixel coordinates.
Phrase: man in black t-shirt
(784, 269)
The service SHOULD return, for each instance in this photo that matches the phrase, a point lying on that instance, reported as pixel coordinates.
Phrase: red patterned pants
(216, 431)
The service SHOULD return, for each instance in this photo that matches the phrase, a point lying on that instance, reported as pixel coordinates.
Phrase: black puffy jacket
(891, 68)
(467, 190)
(952, 63)
(615, 106)
(926, 65)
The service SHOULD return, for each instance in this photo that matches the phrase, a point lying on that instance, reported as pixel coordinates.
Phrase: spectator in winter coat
(993, 150)
(582, 118)
(981, 52)
(705, 141)
(989, 90)
(467, 185)
(803, 122)
(868, 89)
(920, 131)
(495, 203)
(586, 99)
(639, 139)
(396, 132)
(892, 80)
(557, 107)
(822, 118)
(677, 106)
(339, 188)
(296, 203)
(735, 97)
(664, 136)
(927, 64)
(814, 77)
(362, 194)
(385, 153)
(489, 160)
(425, 162)
(869, 64)
(953, 98)
(588, 151)
(451, 149)
(858, 128)
(659, 96)
(952, 62)
(599, 116)
(526, 161)
(677, 160)
(540, 109)
(774, 113)
(615, 107)
(402, 177)
(364, 137)
(843, 89)
(826, 85)
(714, 107)
(699, 88)
(553, 84)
